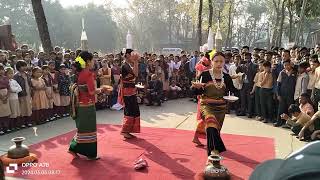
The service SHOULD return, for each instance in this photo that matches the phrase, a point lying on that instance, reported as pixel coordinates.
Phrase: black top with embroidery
(206, 77)
(64, 84)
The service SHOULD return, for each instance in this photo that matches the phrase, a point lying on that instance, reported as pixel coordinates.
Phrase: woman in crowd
(213, 86)
(83, 108)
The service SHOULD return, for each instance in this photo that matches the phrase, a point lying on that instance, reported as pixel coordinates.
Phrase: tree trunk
(229, 35)
(276, 25)
(299, 32)
(210, 13)
(42, 25)
(281, 24)
(170, 25)
(199, 30)
(290, 13)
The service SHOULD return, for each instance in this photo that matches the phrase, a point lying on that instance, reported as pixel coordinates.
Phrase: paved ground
(178, 114)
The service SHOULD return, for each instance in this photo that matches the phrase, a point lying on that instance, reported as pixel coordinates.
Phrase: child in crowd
(154, 91)
(73, 73)
(266, 92)
(174, 90)
(15, 88)
(56, 95)
(305, 104)
(49, 91)
(67, 60)
(314, 63)
(24, 81)
(302, 81)
(256, 90)
(4, 102)
(64, 92)
(285, 90)
(27, 59)
(40, 100)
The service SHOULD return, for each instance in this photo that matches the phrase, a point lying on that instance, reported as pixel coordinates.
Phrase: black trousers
(237, 104)
(214, 141)
(296, 129)
(131, 107)
(316, 98)
(284, 104)
(266, 100)
(257, 101)
(247, 100)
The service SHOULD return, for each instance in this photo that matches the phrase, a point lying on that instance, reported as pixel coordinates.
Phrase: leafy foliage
(64, 24)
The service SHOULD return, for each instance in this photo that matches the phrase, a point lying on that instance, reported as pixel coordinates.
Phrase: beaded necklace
(219, 86)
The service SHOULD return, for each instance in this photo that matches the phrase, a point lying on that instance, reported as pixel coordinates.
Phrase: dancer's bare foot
(128, 135)
(197, 142)
(75, 155)
(93, 158)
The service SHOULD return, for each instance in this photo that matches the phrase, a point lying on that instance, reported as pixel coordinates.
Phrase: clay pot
(214, 170)
(18, 150)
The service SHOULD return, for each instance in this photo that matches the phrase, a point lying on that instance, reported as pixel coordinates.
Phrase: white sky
(68, 3)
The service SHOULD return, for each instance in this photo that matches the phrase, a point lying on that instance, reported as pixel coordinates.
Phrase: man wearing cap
(303, 164)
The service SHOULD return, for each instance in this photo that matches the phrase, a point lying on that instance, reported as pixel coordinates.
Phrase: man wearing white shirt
(237, 83)
(170, 64)
(228, 57)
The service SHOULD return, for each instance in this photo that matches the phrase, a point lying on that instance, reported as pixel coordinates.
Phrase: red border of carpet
(169, 153)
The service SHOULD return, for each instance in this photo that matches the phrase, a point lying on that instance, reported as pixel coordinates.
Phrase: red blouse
(86, 77)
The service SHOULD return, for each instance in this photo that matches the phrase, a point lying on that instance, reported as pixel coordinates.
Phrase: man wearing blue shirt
(192, 64)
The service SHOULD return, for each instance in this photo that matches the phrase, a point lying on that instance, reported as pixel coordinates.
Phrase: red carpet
(169, 152)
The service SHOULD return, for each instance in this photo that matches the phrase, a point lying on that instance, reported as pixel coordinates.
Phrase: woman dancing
(213, 85)
(131, 119)
(203, 65)
(83, 108)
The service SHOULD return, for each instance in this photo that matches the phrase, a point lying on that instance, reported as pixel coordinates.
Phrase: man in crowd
(247, 101)
(285, 90)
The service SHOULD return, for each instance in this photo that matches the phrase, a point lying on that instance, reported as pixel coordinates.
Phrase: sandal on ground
(140, 164)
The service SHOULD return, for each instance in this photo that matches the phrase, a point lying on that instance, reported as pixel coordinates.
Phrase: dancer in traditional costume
(203, 65)
(131, 120)
(213, 85)
(83, 108)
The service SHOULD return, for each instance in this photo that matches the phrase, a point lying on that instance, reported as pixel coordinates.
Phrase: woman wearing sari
(83, 110)
(128, 98)
(213, 85)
